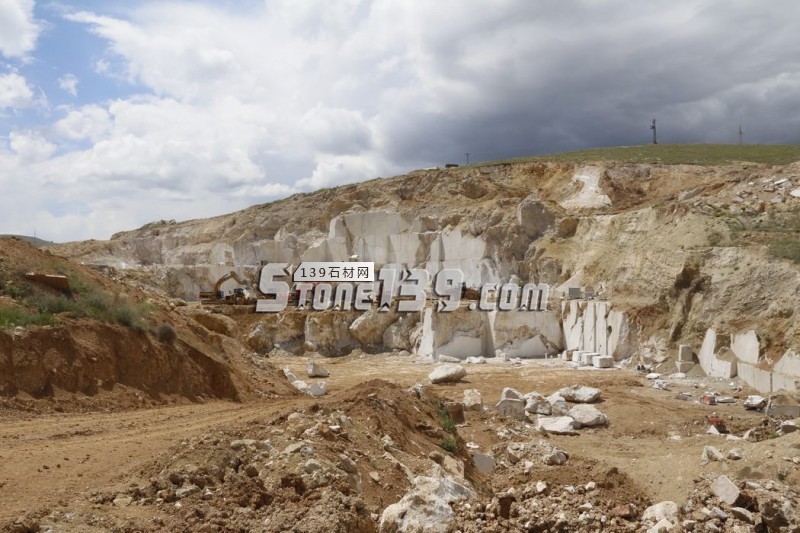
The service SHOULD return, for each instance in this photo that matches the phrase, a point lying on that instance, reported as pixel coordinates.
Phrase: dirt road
(52, 460)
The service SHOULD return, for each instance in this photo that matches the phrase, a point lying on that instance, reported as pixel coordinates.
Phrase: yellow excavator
(239, 296)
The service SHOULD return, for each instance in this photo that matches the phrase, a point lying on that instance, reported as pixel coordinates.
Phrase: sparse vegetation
(787, 247)
(449, 441)
(672, 154)
(11, 317)
(166, 334)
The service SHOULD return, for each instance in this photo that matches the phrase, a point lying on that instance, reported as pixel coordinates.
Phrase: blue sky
(115, 114)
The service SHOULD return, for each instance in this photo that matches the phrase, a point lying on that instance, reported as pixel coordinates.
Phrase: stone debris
(665, 510)
(448, 359)
(315, 370)
(660, 384)
(447, 373)
(735, 454)
(475, 360)
(555, 458)
(472, 400)
(710, 453)
(580, 394)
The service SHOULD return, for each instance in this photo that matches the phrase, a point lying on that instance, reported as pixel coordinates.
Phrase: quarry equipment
(239, 296)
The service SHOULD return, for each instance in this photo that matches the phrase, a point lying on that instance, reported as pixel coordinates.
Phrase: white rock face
(369, 328)
(759, 379)
(465, 333)
(746, 347)
(329, 333)
(587, 416)
(447, 373)
(589, 193)
(593, 326)
(580, 394)
(426, 507)
(712, 365)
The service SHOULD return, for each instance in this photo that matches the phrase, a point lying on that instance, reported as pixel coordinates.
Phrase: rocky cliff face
(671, 250)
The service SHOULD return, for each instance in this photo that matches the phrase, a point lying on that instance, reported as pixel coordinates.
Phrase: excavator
(238, 297)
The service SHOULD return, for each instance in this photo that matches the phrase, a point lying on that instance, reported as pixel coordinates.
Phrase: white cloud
(18, 28)
(30, 146)
(238, 106)
(15, 92)
(69, 83)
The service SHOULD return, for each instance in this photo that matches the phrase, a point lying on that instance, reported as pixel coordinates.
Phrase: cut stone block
(684, 366)
(603, 361)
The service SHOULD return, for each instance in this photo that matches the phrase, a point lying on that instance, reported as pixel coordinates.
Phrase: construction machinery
(239, 296)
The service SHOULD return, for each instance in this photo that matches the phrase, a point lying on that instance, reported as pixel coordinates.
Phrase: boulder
(447, 373)
(558, 405)
(510, 394)
(555, 458)
(665, 510)
(512, 408)
(472, 400)
(314, 370)
(537, 404)
(426, 507)
(587, 416)
(557, 425)
(580, 394)
(710, 453)
(726, 490)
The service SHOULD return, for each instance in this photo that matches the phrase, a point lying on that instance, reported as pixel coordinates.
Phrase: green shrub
(11, 317)
(450, 444)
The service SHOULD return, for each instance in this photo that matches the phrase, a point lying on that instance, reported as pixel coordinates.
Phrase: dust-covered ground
(335, 463)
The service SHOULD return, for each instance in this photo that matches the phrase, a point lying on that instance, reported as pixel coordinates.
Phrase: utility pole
(653, 127)
(741, 133)
(467, 154)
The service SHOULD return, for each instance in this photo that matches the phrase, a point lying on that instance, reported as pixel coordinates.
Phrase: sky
(117, 114)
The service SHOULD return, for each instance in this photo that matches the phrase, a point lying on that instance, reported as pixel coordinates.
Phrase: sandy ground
(653, 437)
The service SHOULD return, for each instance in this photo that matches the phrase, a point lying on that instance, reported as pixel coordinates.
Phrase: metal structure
(653, 127)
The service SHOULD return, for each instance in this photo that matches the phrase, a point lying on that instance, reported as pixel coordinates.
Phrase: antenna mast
(653, 127)
(741, 133)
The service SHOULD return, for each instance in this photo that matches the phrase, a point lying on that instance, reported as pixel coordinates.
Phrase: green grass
(11, 317)
(672, 154)
(94, 304)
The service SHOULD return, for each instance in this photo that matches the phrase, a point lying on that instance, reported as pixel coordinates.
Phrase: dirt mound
(333, 466)
(70, 329)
